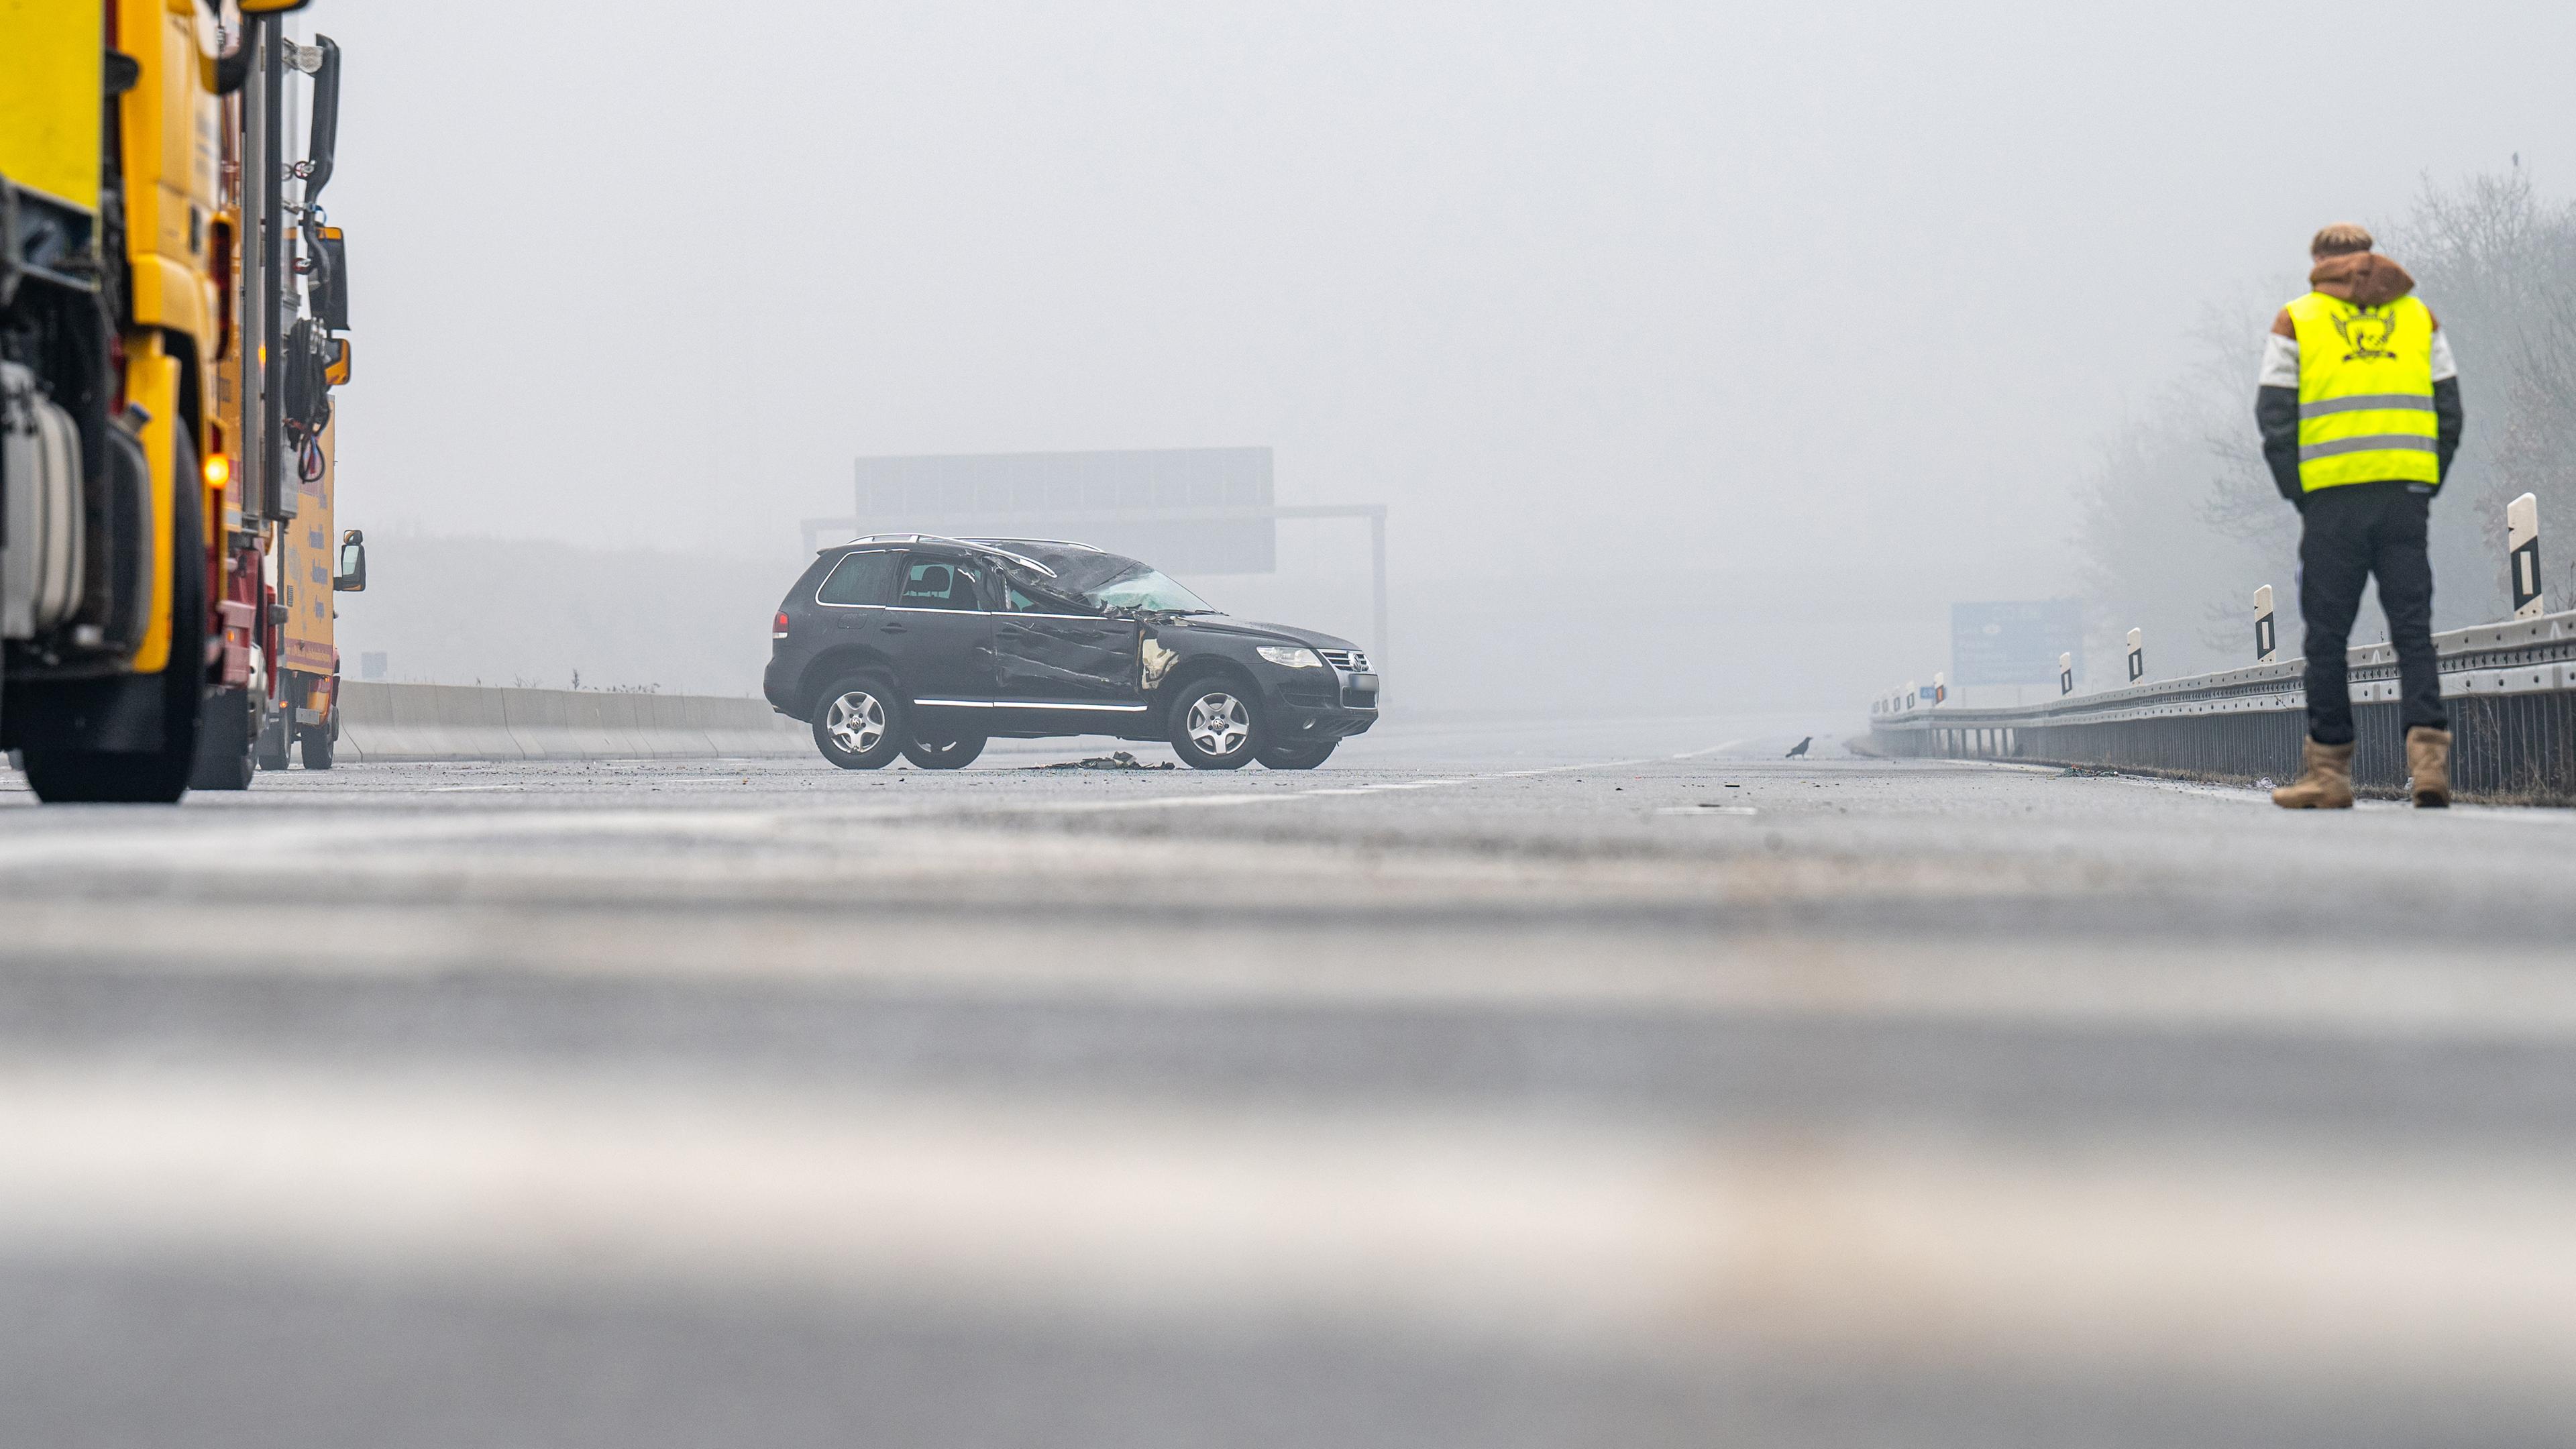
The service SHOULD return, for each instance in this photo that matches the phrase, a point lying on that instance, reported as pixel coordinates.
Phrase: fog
(1704, 355)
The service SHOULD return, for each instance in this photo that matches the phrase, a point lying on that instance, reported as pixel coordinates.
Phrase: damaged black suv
(929, 647)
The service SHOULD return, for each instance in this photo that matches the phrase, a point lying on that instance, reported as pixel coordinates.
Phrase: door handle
(891, 627)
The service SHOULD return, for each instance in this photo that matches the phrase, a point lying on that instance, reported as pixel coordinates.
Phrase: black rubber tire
(157, 777)
(889, 720)
(224, 742)
(1294, 757)
(953, 753)
(276, 744)
(317, 741)
(1200, 703)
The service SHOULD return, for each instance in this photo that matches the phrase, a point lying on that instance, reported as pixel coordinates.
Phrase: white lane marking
(303, 832)
(1711, 750)
(1168, 802)
(1707, 810)
(2413, 1266)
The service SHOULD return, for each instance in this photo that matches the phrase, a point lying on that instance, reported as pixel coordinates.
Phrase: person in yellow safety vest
(2359, 405)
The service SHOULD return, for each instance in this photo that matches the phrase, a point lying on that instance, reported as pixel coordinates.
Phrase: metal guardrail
(2511, 688)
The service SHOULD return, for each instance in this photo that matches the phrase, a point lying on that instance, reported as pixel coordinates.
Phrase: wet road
(1621, 1083)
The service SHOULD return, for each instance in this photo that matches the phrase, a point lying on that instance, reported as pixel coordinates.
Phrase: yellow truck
(142, 243)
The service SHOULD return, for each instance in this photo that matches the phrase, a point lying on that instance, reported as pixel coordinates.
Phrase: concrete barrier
(476, 722)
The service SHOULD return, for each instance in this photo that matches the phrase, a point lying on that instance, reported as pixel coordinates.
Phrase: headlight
(1290, 656)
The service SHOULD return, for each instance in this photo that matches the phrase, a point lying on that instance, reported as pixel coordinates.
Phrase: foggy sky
(1832, 300)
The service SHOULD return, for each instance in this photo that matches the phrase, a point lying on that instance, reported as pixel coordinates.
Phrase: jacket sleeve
(2276, 409)
(2448, 418)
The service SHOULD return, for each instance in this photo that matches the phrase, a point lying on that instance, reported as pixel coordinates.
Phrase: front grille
(1349, 661)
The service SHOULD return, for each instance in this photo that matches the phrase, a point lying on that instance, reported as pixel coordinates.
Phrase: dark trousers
(2350, 534)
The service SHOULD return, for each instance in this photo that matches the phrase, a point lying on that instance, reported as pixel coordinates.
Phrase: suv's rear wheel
(860, 723)
(940, 749)
(1216, 725)
(1295, 757)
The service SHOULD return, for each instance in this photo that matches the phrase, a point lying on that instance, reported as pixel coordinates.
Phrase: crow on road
(1800, 748)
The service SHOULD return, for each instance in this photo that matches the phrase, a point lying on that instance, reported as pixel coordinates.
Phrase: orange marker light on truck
(778, 626)
(219, 470)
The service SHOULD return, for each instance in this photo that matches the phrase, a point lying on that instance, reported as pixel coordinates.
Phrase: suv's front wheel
(859, 725)
(1216, 725)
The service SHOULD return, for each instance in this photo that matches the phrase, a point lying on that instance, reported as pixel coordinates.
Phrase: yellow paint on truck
(52, 69)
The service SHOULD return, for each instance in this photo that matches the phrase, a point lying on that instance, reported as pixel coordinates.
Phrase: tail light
(778, 626)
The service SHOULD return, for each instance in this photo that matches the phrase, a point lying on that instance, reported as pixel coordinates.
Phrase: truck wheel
(1216, 725)
(943, 750)
(224, 741)
(159, 776)
(1294, 757)
(316, 740)
(860, 723)
(274, 741)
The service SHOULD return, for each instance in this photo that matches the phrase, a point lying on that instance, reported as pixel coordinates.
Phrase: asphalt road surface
(1621, 1084)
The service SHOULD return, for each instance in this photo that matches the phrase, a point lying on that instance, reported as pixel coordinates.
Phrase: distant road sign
(2015, 643)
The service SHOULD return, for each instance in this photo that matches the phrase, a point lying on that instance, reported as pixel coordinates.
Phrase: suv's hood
(1282, 633)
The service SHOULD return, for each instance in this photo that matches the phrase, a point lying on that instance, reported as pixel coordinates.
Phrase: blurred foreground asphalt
(1607, 1084)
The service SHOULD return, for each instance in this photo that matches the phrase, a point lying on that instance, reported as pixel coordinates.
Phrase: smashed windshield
(1144, 588)
(1107, 580)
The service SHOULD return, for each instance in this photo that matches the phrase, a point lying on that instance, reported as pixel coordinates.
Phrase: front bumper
(1335, 706)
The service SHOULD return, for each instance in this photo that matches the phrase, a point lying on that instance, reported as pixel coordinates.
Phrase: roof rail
(968, 544)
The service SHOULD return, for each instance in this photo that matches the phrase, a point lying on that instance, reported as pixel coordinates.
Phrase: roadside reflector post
(2264, 647)
(2065, 674)
(2522, 555)
(2137, 655)
(1940, 688)
(1913, 696)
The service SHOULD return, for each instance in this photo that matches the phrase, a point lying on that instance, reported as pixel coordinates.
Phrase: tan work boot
(2325, 780)
(2428, 759)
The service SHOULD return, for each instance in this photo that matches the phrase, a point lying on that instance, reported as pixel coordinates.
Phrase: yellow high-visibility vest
(2365, 392)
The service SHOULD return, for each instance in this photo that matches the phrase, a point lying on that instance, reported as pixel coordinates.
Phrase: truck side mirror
(326, 119)
(352, 578)
(327, 289)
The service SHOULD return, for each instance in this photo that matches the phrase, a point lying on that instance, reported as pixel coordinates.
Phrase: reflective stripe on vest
(2365, 392)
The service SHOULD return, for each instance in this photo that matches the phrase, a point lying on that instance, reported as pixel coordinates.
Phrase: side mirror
(352, 577)
(336, 371)
(326, 119)
(327, 290)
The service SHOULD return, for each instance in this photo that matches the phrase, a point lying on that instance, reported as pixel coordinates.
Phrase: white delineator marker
(2137, 655)
(2265, 639)
(2522, 555)
(2065, 674)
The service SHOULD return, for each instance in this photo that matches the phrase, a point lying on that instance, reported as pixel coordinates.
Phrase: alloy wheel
(856, 722)
(1218, 723)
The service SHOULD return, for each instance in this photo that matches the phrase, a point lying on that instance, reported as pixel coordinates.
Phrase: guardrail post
(2264, 639)
(2522, 555)
(2065, 674)
(2137, 655)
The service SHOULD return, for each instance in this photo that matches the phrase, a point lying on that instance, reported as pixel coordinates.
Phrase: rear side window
(860, 578)
(939, 584)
